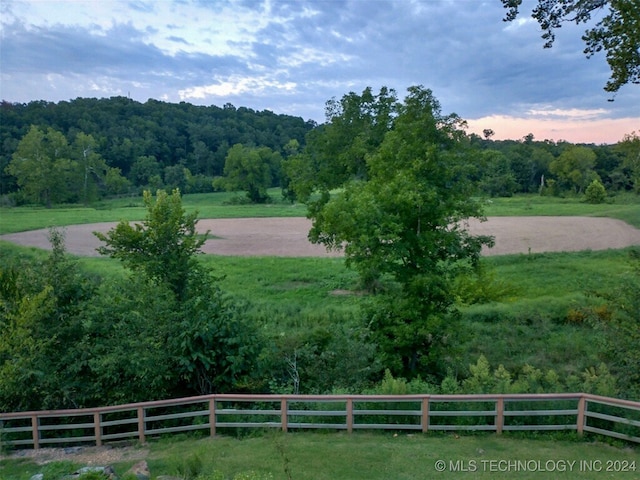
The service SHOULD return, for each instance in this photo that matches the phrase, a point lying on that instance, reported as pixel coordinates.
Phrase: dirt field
(287, 237)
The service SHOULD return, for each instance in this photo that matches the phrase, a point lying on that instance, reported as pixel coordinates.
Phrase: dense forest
(99, 147)
(86, 149)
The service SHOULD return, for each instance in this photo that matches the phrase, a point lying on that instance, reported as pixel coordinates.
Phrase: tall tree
(92, 166)
(163, 246)
(42, 166)
(405, 221)
(574, 167)
(617, 32)
(629, 147)
(251, 169)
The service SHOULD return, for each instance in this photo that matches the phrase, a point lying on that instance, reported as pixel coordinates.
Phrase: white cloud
(236, 86)
(570, 113)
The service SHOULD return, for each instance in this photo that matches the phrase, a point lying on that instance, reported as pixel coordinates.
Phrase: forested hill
(154, 134)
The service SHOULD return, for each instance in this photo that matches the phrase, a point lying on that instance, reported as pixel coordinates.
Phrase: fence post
(582, 406)
(499, 415)
(97, 429)
(212, 416)
(349, 415)
(425, 415)
(141, 414)
(284, 414)
(35, 431)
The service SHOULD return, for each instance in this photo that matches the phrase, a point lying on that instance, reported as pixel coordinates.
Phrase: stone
(108, 471)
(38, 476)
(140, 470)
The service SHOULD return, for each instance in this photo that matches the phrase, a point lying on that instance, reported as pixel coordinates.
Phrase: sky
(291, 57)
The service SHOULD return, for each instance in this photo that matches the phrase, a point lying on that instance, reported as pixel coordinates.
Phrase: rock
(140, 470)
(108, 471)
(72, 450)
(38, 476)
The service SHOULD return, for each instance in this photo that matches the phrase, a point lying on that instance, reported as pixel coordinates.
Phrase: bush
(595, 192)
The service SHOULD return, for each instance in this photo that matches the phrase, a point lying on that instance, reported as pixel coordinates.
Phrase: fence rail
(214, 413)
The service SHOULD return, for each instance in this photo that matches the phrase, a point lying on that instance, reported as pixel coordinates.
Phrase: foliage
(337, 151)
(405, 221)
(39, 322)
(482, 378)
(42, 166)
(574, 167)
(215, 347)
(595, 192)
(251, 169)
(617, 32)
(150, 145)
(629, 147)
(622, 328)
(163, 246)
(498, 179)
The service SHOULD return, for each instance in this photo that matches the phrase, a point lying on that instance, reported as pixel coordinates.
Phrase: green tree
(250, 169)
(629, 147)
(574, 167)
(336, 152)
(406, 222)
(497, 179)
(92, 165)
(209, 347)
(617, 32)
(144, 170)
(42, 166)
(620, 322)
(40, 329)
(163, 246)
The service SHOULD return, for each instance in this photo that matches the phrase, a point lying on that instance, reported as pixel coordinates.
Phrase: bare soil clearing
(287, 237)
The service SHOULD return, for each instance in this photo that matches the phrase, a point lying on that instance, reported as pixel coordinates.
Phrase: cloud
(291, 56)
(235, 87)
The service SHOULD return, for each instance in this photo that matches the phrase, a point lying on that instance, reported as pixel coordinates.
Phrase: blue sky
(292, 56)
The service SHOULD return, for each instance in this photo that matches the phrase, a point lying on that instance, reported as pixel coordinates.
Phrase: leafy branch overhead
(617, 33)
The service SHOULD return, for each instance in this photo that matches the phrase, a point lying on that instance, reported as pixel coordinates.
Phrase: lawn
(372, 456)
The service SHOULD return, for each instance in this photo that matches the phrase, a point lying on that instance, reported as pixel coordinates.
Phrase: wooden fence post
(349, 415)
(582, 406)
(212, 416)
(425, 415)
(97, 429)
(284, 414)
(499, 415)
(141, 422)
(35, 431)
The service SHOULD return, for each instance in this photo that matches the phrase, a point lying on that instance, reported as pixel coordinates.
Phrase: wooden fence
(423, 413)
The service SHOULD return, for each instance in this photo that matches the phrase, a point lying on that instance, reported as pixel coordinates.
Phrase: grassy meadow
(370, 456)
(529, 319)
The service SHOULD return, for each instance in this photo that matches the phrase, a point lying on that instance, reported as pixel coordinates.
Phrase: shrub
(595, 192)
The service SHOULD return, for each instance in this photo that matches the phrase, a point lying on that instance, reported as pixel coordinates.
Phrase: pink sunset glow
(574, 130)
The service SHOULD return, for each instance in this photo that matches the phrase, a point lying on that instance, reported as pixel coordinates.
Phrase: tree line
(87, 149)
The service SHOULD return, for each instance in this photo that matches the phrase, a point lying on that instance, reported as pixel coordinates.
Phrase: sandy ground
(287, 237)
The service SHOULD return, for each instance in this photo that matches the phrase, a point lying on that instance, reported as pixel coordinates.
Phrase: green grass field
(370, 456)
(222, 205)
(526, 324)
